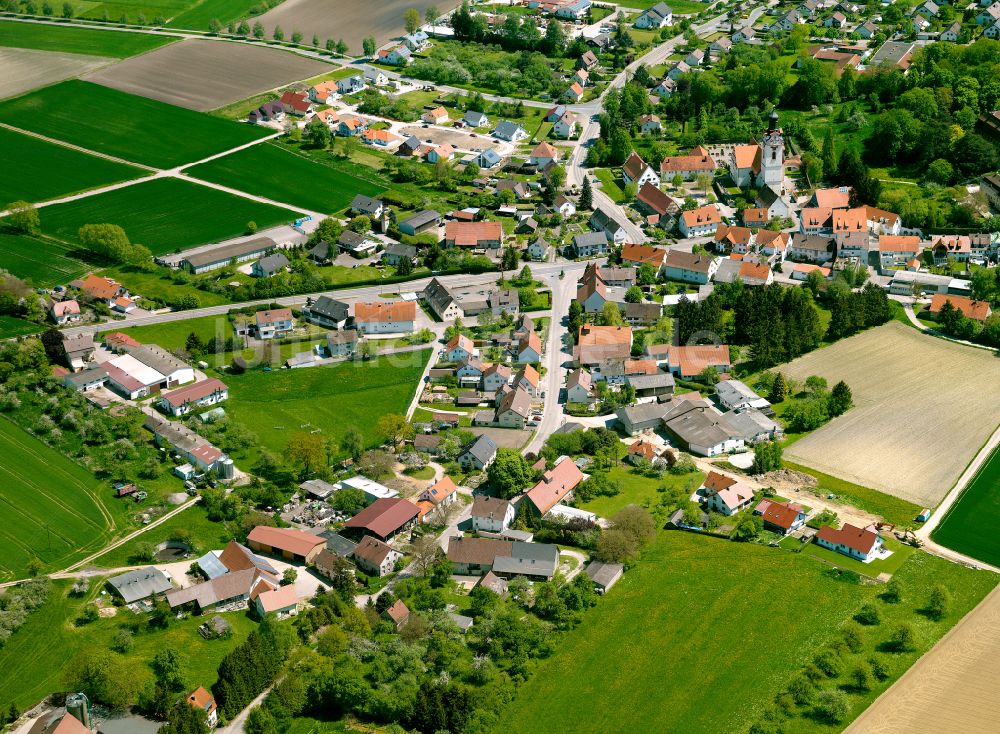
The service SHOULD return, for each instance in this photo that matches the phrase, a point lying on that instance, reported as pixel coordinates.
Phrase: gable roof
(286, 539)
(634, 166)
(555, 484)
(703, 215)
(470, 234)
(372, 550)
(781, 514)
(978, 310)
(380, 312)
(274, 600)
(197, 391)
(384, 516)
(859, 539)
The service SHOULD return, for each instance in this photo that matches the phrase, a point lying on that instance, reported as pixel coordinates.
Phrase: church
(762, 166)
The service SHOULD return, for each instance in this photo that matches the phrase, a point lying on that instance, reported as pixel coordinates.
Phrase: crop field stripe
(43, 260)
(73, 39)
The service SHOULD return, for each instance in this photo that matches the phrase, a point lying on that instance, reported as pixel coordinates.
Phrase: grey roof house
(269, 266)
(140, 584)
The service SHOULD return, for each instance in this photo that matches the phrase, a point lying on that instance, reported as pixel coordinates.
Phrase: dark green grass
(173, 335)
(164, 214)
(972, 525)
(43, 262)
(277, 173)
(75, 40)
(276, 405)
(52, 508)
(11, 326)
(46, 171)
(124, 125)
(37, 660)
(198, 17)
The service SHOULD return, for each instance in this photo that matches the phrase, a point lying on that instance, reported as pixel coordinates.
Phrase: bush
(853, 637)
(893, 592)
(829, 662)
(862, 678)
(937, 605)
(903, 639)
(868, 615)
(832, 706)
(802, 690)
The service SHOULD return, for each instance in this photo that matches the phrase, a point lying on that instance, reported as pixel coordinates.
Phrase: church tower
(772, 153)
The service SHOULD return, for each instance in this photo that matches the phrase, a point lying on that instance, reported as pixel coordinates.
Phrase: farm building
(293, 545)
(372, 490)
(140, 584)
(281, 602)
(604, 575)
(220, 257)
(383, 519)
(375, 557)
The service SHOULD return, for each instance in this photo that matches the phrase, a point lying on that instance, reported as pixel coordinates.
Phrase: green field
(11, 326)
(158, 285)
(972, 525)
(124, 125)
(70, 39)
(275, 405)
(277, 173)
(639, 490)
(36, 659)
(199, 15)
(702, 634)
(35, 161)
(680, 7)
(164, 214)
(173, 335)
(53, 509)
(44, 262)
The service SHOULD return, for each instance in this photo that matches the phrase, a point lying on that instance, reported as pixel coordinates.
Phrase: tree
(586, 202)
(903, 638)
(67, 10)
(893, 593)
(829, 151)
(862, 678)
(307, 451)
(289, 576)
(509, 473)
(107, 241)
(425, 552)
(431, 15)
(318, 133)
(840, 400)
(411, 20)
(296, 37)
(868, 615)
(106, 677)
(368, 45)
(614, 546)
(748, 528)
(633, 294)
(184, 718)
(349, 500)
(278, 35)
(214, 26)
(779, 389)
(636, 523)
(23, 217)
(937, 605)
(646, 274)
(353, 443)
(832, 706)
(258, 30)
(611, 315)
(394, 428)
(509, 257)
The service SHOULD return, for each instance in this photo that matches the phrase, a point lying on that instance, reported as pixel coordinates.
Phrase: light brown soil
(923, 407)
(349, 20)
(202, 75)
(953, 688)
(22, 69)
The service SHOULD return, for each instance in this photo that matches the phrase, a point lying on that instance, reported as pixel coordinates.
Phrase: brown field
(22, 69)
(923, 408)
(203, 75)
(953, 688)
(347, 19)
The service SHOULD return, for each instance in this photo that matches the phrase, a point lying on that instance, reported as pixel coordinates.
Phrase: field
(22, 69)
(68, 39)
(923, 408)
(158, 285)
(972, 525)
(352, 21)
(43, 262)
(36, 159)
(203, 75)
(11, 326)
(198, 16)
(275, 405)
(951, 688)
(697, 622)
(53, 508)
(638, 490)
(277, 173)
(134, 128)
(36, 659)
(165, 214)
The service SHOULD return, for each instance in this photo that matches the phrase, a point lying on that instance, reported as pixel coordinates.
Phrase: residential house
(357, 245)
(375, 557)
(398, 614)
(460, 347)
(327, 312)
(951, 33)
(478, 455)
(385, 317)
(587, 61)
(734, 239)
(528, 349)
(296, 103)
(573, 93)
(638, 255)
(416, 40)
(396, 254)
(513, 409)
(273, 323)
(689, 166)
(375, 76)
(701, 221)
(861, 544)
(198, 395)
(688, 361)
(590, 244)
(269, 266)
(512, 132)
(476, 235)
(658, 16)
(666, 87)
(64, 312)
(556, 485)
(443, 152)
(970, 309)
(367, 205)
(581, 77)
(637, 171)
(649, 124)
(725, 494)
(644, 313)
(800, 271)
(579, 387)
(527, 379)
(897, 250)
(774, 245)
(470, 371)
(566, 126)
(538, 249)
(679, 69)
(836, 20)
(744, 35)
(342, 343)
(753, 273)
(281, 602)
(272, 111)
(496, 377)
(399, 56)
(689, 267)
(602, 221)
(595, 344)
(202, 699)
(383, 519)
(720, 46)
(491, 514)
(866, 30)
(472, 118)
(695, 58)
(350, 85)
(780, 517)
(812, 248)
(543, 154)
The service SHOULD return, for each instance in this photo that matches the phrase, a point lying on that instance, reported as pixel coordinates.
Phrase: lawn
(54, 509)
(35, 161)
(609, 184)
(124, 125)
(71, 39)
(205, 534)
(639, 490)
(11, 326)
(696, 621)
(972, 525)
(36, 660)
(892, 509)
(159, 286)
(680, 7)
(164, 214)
(278, 173)
(43, 262)
(173, 335)
(900, 552)
(276, 405)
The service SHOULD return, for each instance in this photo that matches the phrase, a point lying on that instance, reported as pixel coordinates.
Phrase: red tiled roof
(384, 516)
(385, 312)
(293, 541)
(851, 536)
(280, 598)
(556, 483)
(978, 310)
(470, 234)
(197, 391)
(779, 513)
(643, 254)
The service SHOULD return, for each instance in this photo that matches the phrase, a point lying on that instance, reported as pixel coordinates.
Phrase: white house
(491, 515)
(658, 16)
(725, 494)
(859, 543)
(637, 171)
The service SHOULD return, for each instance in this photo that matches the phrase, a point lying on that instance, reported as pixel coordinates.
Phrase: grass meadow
(703, 633)
(124, 125)
(173, 335)
(638, 489)
(275, 405)
(53, 509)
(164, 214)
(10, 326)
(198, 16)
(278, 173)
(35, 161)
(43, 262)
(972, 525)
(159, 285)
(37, 659)
(71, 39)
